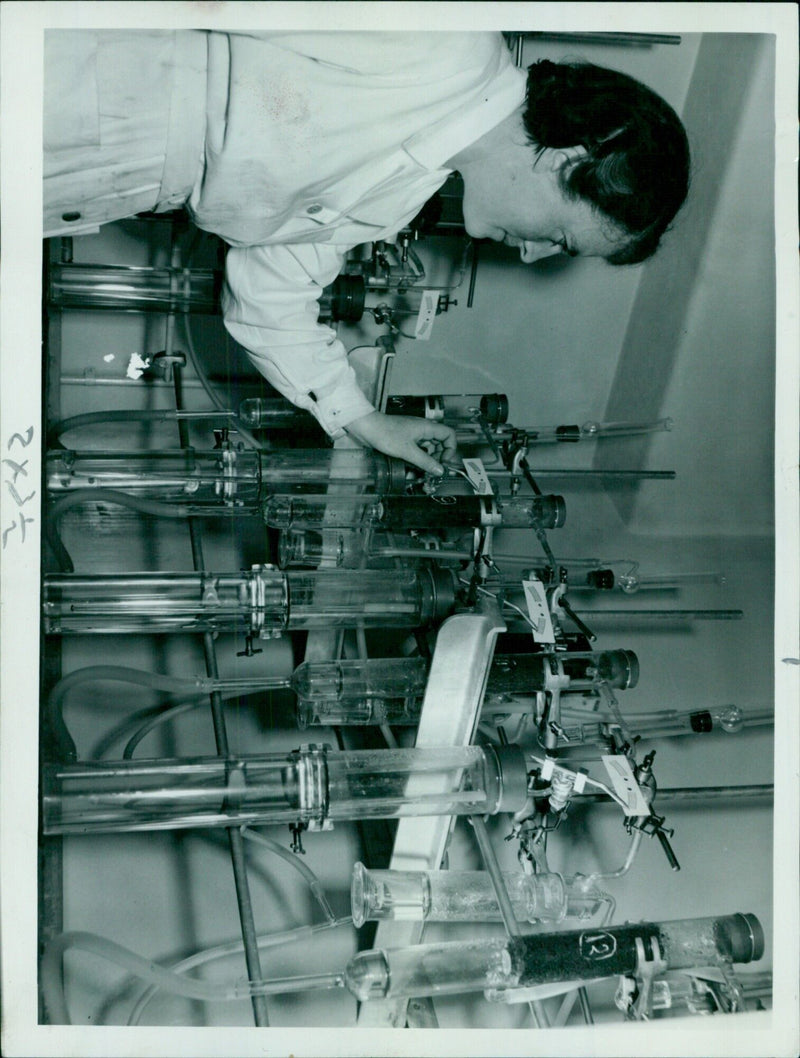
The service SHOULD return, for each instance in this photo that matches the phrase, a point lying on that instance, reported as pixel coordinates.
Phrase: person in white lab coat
(296, 147)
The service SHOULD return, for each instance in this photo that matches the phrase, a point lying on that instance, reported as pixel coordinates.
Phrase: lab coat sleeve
(270, 305)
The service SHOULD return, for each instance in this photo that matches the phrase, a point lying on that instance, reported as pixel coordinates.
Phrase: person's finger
(450, 447)
(418, 457)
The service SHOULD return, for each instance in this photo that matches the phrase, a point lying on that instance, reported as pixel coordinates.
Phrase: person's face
(522, 204)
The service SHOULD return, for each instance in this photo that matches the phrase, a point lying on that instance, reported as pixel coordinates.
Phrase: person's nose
(537, 249)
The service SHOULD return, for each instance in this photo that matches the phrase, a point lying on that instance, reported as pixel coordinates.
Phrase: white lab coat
(315, 143)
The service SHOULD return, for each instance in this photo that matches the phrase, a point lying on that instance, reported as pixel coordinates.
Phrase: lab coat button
(315, 208)
(72, 215)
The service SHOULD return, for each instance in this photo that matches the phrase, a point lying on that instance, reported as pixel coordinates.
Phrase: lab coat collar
(433, 146)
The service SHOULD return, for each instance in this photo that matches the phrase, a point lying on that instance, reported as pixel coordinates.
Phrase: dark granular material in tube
(578, 954)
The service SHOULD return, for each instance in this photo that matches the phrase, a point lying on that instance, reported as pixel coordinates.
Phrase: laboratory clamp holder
(450, 692)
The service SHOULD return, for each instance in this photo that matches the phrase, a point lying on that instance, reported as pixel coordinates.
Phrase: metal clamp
(312, 775)
(635, 996)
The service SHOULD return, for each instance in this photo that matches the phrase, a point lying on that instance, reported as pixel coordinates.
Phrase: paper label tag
(426, 315)
(625, 785)
(538, 611)
(476, 472)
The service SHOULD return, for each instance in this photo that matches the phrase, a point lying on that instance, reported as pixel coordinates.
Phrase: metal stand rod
(235, 839)
(666, 615)
(513, 929)
(699, 794)
(613, 475)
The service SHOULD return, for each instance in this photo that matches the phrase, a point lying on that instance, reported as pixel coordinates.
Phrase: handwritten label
(538, 611)
(479, 479)
(15, 471)
(427, 314)
(627, 788)
(597, 945)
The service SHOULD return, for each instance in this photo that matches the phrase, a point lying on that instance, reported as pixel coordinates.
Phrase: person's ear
(564, 157)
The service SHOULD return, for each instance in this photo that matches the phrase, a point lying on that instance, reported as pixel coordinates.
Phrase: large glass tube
(309, 786)
(350, 548)
(454, 409)
(314, 470)
(525, 673)
(130, 288)
(164, 602)
(204, 481)
(374, 598)
(308, 548)
(257, 602)
(399, 513)
(464, 896)
(273, 413)
(391, 690)
(276, 413)
(225, 476)
(580, 955)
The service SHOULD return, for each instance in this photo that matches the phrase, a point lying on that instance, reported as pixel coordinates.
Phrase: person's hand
(420, 442)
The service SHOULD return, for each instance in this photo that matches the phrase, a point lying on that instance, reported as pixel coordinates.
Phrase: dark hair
(636, 169)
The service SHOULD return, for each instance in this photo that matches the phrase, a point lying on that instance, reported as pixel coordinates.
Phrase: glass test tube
(579, 955)
(257, 602)
(463, 896)
(221, 478)
(399, 513)
(309, 785)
